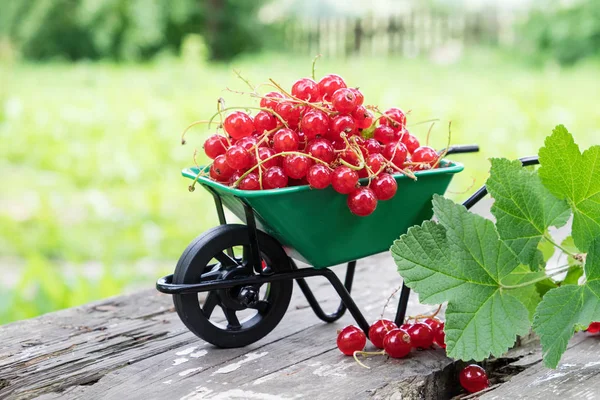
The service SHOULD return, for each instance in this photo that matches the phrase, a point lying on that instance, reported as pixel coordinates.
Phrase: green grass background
(91, 200)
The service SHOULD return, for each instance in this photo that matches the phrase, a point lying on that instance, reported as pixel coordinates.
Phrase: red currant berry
(396, 153)
(270, 100)
(375, 162)
(473, 378)
(238, 124)
(266, 152)
(378, 330)
(349, 155)
(344, 179)
(264, 121)
(396, 343)
(250, 182)
(314, 123)
(215, 145)
(341, 124)
(372, 146)
(220, 170)
(384, 134)
(319, 176)
(425, 155)
(274, 178)
(329, 84)
(306, 89)
(384, 186)
(296, 166)
(362, 201)
(302, 139)
(411, 142)
(344, 101)
(237, 157)
(290, 112)
(351, 339)
(360, 98)
(362, 117)
(321, 149)
(285, 140)
(421, 335)
(433, 323)
(247, 143)
(439, 336)
(394, 118)
(593, 328)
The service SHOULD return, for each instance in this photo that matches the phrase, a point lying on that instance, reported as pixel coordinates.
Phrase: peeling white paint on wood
(334, 369)
(186, 351)
(203, 393)
(189, 371)
(236, 365)
(199, 353)
(178, 361)
(263, 379)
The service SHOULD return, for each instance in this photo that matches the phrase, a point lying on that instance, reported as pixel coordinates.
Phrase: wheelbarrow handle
(482, 192)
(462, 148)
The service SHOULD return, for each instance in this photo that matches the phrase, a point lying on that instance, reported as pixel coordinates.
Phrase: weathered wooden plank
(133, 341)
(576, 377)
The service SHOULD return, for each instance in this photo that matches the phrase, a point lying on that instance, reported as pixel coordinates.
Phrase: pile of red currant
(318, 134)
(398, 342)
(395, 341)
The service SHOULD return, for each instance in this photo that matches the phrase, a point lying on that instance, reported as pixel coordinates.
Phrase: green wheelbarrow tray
(316, 226)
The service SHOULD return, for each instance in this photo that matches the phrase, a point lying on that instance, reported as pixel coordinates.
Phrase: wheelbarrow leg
(402, 305)
(314, 304)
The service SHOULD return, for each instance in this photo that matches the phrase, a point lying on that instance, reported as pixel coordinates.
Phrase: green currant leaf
(573, 176)
(547, 249)
(544, 286)
(566, 307)
(573, 275)
(524, 208)
(528, 295)
(462, 260)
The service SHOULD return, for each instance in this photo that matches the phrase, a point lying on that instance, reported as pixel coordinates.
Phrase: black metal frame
(165, 284)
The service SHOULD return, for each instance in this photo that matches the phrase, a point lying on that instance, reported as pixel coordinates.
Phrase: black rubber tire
(193, 263)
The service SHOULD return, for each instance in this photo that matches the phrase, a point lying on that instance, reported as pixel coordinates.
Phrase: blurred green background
(95, 93)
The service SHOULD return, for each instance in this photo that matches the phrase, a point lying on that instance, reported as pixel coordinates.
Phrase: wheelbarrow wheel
(248, 312)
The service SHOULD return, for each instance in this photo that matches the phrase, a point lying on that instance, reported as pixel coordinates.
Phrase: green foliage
(128, 29)
(568, 306)
(524, 209)
(473, 264)
(462, 260)
(570, 175)
(566, 31)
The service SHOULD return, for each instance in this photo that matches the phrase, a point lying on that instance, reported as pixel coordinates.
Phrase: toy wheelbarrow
(248, 270)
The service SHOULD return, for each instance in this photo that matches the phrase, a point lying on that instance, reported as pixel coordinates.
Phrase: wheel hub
(238, 297)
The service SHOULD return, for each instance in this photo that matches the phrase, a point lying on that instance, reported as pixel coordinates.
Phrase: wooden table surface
(135, 347)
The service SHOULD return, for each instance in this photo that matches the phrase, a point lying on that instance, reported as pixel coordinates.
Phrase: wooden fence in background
(411, 34)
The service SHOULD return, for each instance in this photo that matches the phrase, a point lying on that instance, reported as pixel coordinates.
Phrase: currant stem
(552, 242)
(191, 126)
(313, 66)
(249, 108)
(366, 353)
(429, 133)
(239, 75)
(423, 316)
(443, 154)
(299, 101)
(387, 302)
(424, 122)
(283, 153)
(559, 270)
